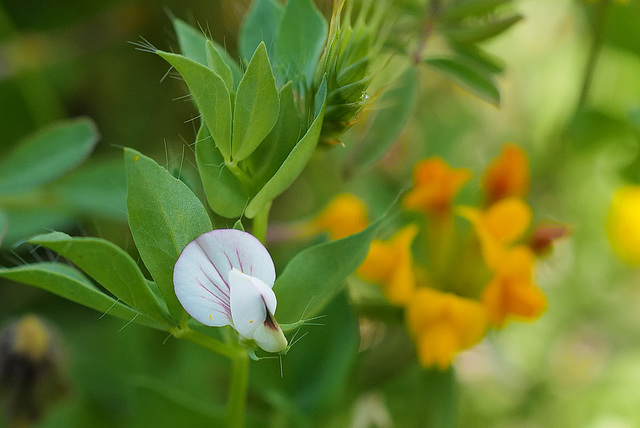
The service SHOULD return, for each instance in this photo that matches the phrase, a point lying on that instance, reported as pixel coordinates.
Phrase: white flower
(224, 277)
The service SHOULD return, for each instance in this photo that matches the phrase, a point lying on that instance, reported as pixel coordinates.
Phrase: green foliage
(225, 193)
(211, 95)
(256, 108)
(294, 163)
(47, 155)
(317, 274)
(69, 283)
(468, 77)
(216, 62)
(385, 123)
(260, 25)
(110, 267)
(298, 42)
(164, 216)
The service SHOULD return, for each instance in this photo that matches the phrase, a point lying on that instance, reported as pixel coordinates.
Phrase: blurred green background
(577, 366)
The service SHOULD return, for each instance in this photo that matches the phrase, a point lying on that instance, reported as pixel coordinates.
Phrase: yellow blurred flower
(443, 324)
(344, 216)
(507, 175)
(435, 184)
(499, 226)
(623, 223)
(512, 290)
(390, 264)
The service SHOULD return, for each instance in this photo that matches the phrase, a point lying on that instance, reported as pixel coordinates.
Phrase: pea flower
(225, 277)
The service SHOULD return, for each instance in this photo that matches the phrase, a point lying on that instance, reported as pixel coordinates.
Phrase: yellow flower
(499, 226)
(507, 175)
(435, 184)
(512, 290)
(443, 324)
(390, 264)
(344, 216)
(623, 224)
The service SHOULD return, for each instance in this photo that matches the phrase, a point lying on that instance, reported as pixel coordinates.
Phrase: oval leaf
(469, 78)
(67, 282)
(257, 106)
(46, 155)
(164, 216)
(225, 193)
(260, 25)
(295, 162)
(314, 276)
(211, 96)
(216, 62)
(109, 266)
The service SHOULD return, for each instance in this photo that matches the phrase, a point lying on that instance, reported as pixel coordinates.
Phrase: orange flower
(499, 226)
(435, 184)
(344, 216)
(508, 175)
(444, 324)
(623, 224)
(512, 290)
(390, 264)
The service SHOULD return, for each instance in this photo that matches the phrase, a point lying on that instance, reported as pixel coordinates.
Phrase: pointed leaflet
(109, 266)
(164, 216)
(315, 275)
(47, 154)
(469, 78)
(389, 121)
(260, 25)
(299, 41)
(69, 283)
(225, 193)
(192, 46)
(210, 94)
(267, 158)
(257, 106)
(295, 162)
(216, 62)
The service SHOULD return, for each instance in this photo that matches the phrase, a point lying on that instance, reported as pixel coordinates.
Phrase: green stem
(207, 342)
(239, 373)
(599, 27)
(260, 222)
(238, 389)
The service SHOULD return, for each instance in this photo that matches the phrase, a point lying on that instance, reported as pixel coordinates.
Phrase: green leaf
(191, 41)
(267, 158)
(331, 349)
(47, 154)
(387, 123)
(164, 216)
(470, 8)
(299, 41)
(108, 265)
(210, 94)
(216, 62)
(257, 106)
(469, 78)
(67, 282)
(478, 33)
(238, 225)
(97, 190)
(260, 25)
(479, 57)
(225, 194)
(315, 275)
(295, 162)
(25, 222)
(192, 45)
